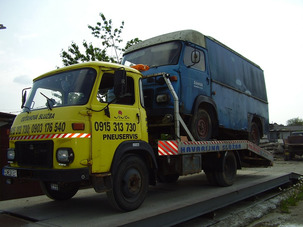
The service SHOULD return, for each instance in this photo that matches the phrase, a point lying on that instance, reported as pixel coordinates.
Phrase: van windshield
(153, 56)
(63, 89)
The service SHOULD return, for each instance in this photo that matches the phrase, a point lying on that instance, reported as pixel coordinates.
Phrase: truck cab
(77, 124)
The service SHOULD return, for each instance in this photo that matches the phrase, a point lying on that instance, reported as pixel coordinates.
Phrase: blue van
(222, 94)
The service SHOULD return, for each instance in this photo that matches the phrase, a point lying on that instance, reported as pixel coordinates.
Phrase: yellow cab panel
(115, 120)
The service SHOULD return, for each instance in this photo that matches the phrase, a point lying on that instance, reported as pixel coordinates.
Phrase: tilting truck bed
(172, 147)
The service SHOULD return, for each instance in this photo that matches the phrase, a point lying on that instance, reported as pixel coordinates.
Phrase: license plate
(10, 172)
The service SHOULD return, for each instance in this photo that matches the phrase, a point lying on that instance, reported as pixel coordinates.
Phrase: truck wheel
(130, 184)
(60, 191)
(211, 178)
(201, 125)
(254, 135)
(171, 178)
(227, 176)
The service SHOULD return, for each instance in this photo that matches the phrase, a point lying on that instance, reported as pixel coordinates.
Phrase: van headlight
(162, 98)
(65, 156)
(11, 154)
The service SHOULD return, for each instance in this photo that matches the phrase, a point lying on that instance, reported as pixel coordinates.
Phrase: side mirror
(24, 97)
(120, 83)
(195, 57)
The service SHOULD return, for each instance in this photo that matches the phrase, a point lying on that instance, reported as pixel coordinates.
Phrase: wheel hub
(132, 183)
(202, 128)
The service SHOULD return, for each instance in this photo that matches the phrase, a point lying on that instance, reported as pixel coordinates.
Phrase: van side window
(106, 91)
(188, 58)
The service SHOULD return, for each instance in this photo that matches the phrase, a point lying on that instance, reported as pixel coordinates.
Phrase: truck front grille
(34, 153)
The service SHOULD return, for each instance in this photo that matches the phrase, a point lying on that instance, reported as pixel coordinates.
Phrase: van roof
(184, 35)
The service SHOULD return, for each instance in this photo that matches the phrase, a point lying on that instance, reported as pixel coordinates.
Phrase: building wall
(282, 132)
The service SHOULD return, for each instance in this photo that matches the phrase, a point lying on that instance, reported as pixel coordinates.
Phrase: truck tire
(63, 191)
(254, 135)
(201, 125)
(130, 184)
(211, 178)
(228, 165)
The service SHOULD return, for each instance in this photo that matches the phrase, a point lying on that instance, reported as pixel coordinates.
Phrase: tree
(295, 121)
(110, 39)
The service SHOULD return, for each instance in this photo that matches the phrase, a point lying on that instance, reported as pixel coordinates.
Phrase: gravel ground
(276, 218)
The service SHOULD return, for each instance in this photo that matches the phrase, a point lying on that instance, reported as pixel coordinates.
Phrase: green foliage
(293, 197)
(110, 39)
(295, 121)
(284, 207)
(73, 55)
(131, 42)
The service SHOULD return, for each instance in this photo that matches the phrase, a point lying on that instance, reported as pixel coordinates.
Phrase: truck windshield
(153, 56)
(63, 89)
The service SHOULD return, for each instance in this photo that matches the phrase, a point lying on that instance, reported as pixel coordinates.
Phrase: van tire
(254, 134)
(130, 184)
(201, 125)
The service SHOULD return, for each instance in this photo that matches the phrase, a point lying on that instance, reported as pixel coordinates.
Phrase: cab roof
(105, 65)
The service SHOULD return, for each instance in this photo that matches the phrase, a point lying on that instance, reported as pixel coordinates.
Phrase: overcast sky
(268, 32)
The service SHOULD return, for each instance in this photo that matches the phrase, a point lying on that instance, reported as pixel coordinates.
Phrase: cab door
(195, 79)
(117, 120)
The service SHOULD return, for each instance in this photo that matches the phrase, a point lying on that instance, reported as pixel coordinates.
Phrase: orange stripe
(51, 136)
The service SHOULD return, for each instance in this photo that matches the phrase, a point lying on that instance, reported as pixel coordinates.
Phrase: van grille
(34, 154)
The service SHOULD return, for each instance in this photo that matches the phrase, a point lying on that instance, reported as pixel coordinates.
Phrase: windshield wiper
(50, 102)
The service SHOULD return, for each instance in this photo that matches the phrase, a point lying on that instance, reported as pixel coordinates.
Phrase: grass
(293, 197)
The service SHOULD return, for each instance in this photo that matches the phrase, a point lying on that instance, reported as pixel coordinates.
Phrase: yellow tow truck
(86, 125)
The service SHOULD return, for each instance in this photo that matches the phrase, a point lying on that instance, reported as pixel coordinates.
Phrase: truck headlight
(162, 98)
(65, 156)
(11, 154)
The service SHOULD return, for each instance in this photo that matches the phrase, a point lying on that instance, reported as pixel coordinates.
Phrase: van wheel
(227, 175)
(201, 125)
(254, 135)
(130, 184)
(60, 191)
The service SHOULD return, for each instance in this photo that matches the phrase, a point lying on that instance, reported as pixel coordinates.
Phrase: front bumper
(47, 175)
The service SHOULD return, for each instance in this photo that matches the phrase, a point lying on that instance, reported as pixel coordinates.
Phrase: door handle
(138, 116)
